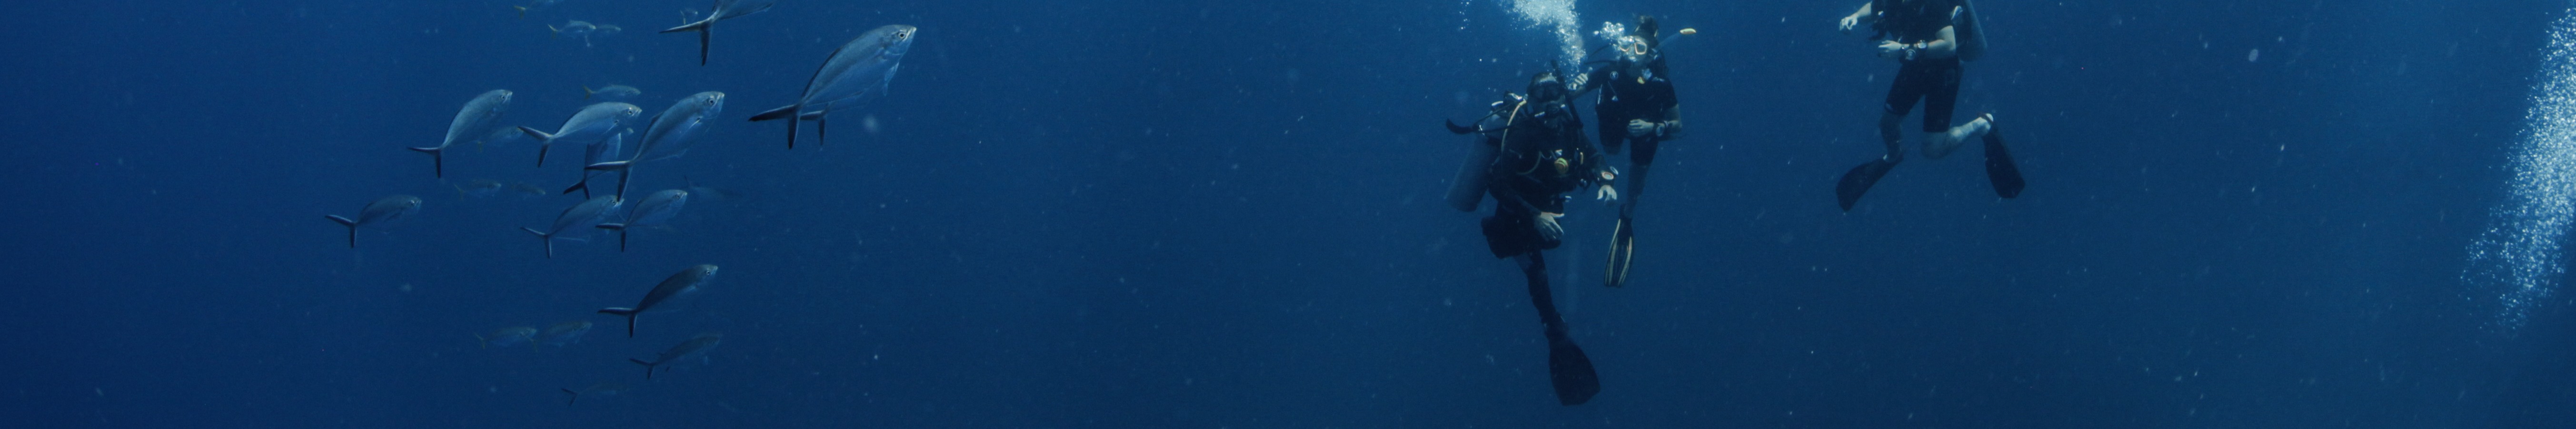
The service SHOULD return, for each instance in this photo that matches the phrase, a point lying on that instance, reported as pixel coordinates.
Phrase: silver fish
(608, 30)
(654, 210)
(475, 120)
(724, 10)
(511, 336)
(598, 152)
(566, 333)
(601, 389)
(855, 73)
(578, 217)
(694, 347)
(480, 188)
(382, 210)
(670, 135)
(592, 123)
(538, 4)
(684, 281)
(576, 28)
(611, 92)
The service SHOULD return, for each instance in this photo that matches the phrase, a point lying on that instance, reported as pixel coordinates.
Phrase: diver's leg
(1901, 96)
(1534, 267)
(1891, 131)
(1939, 100)
(1568, 369)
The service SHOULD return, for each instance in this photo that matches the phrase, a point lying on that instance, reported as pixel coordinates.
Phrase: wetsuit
(1934, 81)
(1525, 180)
(1627, 96)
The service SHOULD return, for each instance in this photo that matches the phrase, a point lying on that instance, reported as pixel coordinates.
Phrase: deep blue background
(1226, 214)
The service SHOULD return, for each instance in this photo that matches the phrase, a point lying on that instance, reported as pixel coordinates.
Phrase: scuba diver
(1537, 155)
(1637, 107)
(1929, 39)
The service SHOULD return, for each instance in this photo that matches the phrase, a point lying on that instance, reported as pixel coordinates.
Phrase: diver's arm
(1945, 47)
(1859, 18)
(1672, 125)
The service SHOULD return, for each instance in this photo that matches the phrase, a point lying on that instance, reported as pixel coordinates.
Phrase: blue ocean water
(1210, 214)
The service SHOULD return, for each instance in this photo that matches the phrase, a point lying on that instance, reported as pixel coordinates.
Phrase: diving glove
(1547, 226)
(1892, 50)
(1641, 128)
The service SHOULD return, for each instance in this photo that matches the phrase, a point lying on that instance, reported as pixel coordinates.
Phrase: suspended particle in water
(2254, 55)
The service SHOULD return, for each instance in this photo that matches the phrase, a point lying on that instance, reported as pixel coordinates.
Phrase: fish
(534, 5)
(610, 92)
(480, 188)
(601, 389)
(578, 217)
(382, 210)
(724, 10)
(566, 333)
(577, 28)
(670, 134)
(694, 347)
(607, 30)
(860, 70)
(530, 190)
(597, 152)
(475, 120)
(510, 336)
(700, 191)
(592, 123)
(654, 210)
(681, 282)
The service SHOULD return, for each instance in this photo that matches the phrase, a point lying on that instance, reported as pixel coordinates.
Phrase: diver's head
(1639, 46)
(1545, 86)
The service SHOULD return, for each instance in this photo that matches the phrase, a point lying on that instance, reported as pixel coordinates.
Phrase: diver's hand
(1607, 194)
(1891, 49)
(1850, 21)
(1547, 227)
(1576, 83)
(1641, 128)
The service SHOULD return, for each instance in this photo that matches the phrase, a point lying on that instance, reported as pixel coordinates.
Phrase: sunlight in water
(1558, 16)
(2519, 258)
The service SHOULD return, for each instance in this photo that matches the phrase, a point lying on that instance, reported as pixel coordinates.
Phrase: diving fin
(1999, 164)
(1623, 245)
(1569, 370)
(1859, 179)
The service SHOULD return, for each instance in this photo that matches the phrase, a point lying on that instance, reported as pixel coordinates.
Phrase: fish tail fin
(788, 113)
(437, 160)
(621, 233)
(583, 186)
(622, 311)
(541, 135)
(487, 342)
(586, 92)
(819, 136)
(623, 169)
(705, 35)
(353, 228)
(542, 236)
(558, 32)
(523, 11)
(574, 396)
(648, 367)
